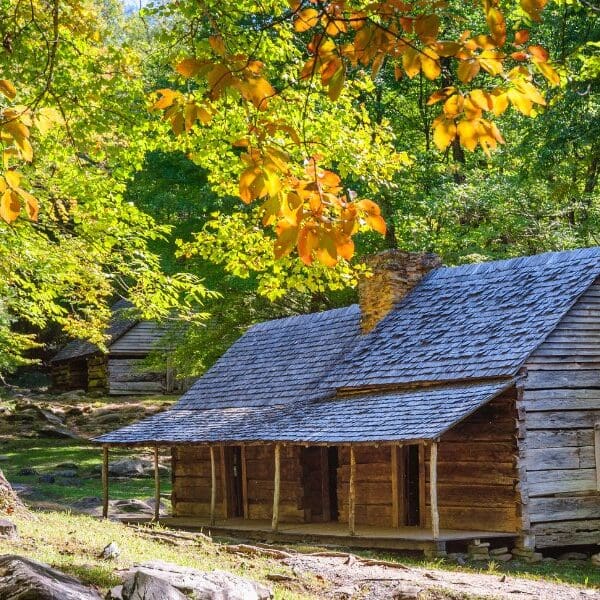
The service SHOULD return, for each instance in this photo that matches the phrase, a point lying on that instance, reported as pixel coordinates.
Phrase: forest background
(113, 204)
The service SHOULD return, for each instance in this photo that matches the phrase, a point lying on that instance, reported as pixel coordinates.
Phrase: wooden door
(406, 486)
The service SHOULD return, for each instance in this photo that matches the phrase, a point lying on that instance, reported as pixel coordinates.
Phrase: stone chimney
(395, 273)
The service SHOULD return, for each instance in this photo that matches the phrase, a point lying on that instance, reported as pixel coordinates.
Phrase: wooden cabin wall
(191, 474)
(97, 373)
(70, 375)
(192, 482)
(139, 340)
(260, 474)
(372, 484)
(477, 471)
(558, 410)
(126, 378)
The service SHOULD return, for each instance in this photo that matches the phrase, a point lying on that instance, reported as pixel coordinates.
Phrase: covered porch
(330, 534)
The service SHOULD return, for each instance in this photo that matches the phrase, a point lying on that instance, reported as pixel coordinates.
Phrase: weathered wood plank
(571, 419)
(433, 498)
(564, 508)
(562, 379)
(570, 457)
(547, 483)
(565, 533)
(597, 453)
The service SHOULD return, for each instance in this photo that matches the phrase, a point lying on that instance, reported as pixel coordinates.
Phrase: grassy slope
(72, 543)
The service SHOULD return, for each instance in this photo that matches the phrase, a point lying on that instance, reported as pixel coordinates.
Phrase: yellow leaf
(306, 19)
(13, 178)
(258, 90)
(533, 8)
(430, 65)
(411, 62)
(548, 72)
(520, 101)
(272, 182)
(454, 105)
(189, 67)
(467, 133)
(287, 237)
(481, 99)
(7, 89)
(345, 246)
(376, 223)
(166, 99)
(247, 179)
(500, 101)
(497, 25)
(491, 61)
(444, 131)
(31, 204)
(189, 115)
(10, 207)
(217, 44)
(308, 242)
(336, 84)
(529, 90)
(427, 28)
(468, 69)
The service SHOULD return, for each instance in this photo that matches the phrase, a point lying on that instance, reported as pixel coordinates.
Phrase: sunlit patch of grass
(73, 544)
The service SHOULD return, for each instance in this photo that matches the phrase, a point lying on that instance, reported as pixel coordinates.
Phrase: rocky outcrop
(212, 585)
(22, 577)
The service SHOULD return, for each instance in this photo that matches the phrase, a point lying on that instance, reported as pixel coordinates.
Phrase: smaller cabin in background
(82, 365)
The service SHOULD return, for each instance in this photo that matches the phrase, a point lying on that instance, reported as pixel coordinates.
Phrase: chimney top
(394, 274)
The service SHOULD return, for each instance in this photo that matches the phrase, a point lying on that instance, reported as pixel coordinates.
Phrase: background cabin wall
(477, 471)
(125, 377)
(558, 409)
(70, 375)
(373, 485)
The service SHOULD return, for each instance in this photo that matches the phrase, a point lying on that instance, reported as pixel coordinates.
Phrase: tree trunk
(9, 501)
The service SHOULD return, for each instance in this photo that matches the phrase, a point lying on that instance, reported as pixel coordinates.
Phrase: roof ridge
(533, 260)
(315, 316)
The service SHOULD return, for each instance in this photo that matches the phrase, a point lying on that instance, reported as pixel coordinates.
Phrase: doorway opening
(235, 486)
(412, 514)
(319, 477)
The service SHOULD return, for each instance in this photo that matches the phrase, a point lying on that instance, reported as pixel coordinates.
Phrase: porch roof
(401, 415)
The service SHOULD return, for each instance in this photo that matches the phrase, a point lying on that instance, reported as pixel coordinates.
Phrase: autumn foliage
(307, 204)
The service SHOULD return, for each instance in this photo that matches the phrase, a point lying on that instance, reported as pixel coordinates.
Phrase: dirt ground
(352, 578)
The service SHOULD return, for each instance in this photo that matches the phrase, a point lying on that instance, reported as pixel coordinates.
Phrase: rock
(536, 557)
(51, 417)
(57, 432)
(72, 395)
(127, 467)
(498, 551)
(111, 551)
(25, 471)
(502, 557)
(22, 577)
(8, 530)
(213, 585)
(87, 502)
(65, 473)
(595, 558)
(143, 586)
(47, 478)
(573, 556)
(67, 465)
(107, 419)
(132, 506)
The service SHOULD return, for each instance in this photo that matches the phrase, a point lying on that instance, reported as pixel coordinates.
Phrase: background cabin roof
(118, 326)
(401, 415)
(473, 321)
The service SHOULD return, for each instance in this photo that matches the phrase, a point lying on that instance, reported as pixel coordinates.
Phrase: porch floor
(328, 534)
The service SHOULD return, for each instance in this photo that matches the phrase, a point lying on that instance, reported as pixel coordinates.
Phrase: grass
(46, 455)
(73, 543)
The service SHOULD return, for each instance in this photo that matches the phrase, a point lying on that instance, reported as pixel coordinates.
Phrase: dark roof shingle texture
(457, 328)
(392, 416)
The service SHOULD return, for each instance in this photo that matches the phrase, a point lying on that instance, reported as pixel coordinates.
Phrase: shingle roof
(473, 321)
(277, 361)
(118, 326)
(467, 324)
(404, 415)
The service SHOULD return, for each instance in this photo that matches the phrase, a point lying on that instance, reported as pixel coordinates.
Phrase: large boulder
(127, 467)
(203, 585)
(27, 579)
(142, 586)
(8, 530)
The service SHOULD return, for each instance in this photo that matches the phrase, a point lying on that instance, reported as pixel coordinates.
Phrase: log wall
(192, 483)
(373, 485)
(125, 378)
(559, 406)
(477, 471)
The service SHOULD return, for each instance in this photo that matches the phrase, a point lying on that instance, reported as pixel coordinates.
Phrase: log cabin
(83, 365)
(451, 403)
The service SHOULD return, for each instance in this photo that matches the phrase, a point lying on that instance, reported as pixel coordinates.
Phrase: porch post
(244, 482)
(104, 482)
(397, 501)
(213, 485)
(435, 517)
(156, 486)
(276, 488)
(352, 493)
